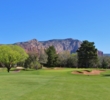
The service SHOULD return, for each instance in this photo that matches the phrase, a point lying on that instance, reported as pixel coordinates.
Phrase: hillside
(30, 46)
(60, 45)
(63, 44)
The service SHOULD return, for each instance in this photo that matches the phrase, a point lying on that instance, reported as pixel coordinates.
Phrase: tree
(104, 61)
(107, 60)
(52, 56)
(11, 54)
(104, 64)
(63, 58)
(31, 61)
(43, 58)
(87, 53)
(72, 60)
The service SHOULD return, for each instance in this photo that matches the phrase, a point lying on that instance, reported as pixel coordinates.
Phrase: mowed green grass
(53, 85)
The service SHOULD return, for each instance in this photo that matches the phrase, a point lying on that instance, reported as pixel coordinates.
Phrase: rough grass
(53, 85)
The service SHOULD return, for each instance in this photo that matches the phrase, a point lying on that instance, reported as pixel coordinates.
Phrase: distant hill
(60, 45)
(106, 54)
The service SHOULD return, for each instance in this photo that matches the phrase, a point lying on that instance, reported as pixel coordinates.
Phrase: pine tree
(87, 53)
(52, 56)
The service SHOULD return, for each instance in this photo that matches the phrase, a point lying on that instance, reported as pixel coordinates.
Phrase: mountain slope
(32, 45)
(60, 45)
(63, 44)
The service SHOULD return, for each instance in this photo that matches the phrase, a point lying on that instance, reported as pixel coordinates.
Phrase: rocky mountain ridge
(31, 45)
(60, 45)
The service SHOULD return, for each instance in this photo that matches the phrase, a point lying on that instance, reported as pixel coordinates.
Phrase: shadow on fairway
(106, 75)
(22, 70)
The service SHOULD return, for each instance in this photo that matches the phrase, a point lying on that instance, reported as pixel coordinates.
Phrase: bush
(35, 65)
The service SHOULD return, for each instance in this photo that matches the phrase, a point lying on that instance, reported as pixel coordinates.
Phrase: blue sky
(23, 20)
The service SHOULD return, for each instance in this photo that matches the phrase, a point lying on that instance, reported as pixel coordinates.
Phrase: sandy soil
(87, 72)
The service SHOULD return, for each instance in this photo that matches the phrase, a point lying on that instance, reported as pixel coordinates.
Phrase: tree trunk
(8, 69)
(8, 66)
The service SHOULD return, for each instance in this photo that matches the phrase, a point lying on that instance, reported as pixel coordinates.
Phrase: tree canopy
(87, 54)
(32, 61)
(52, 56)
(11, 54)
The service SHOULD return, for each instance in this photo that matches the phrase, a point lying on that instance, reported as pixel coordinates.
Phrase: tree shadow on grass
(14, 70)
(106, 75)
(29, 70)
(23, 69)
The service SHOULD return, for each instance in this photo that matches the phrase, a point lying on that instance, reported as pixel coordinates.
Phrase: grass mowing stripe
(53, 85)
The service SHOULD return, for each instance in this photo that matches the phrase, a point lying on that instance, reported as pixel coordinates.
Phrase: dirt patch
(87, 72)
(55, 68)
(16, 71)
(58, 68)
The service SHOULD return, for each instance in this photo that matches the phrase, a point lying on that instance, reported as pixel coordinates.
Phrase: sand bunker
(87, 72)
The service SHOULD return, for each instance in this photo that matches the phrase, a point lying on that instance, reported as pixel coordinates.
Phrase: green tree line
(85, 57)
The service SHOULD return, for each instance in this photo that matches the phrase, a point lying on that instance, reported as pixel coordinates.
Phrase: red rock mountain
(32, 45)
(60, 45)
